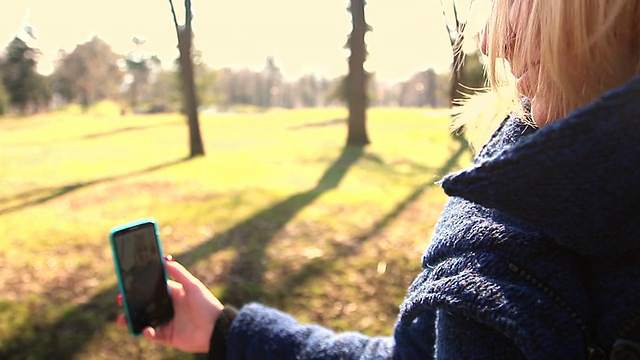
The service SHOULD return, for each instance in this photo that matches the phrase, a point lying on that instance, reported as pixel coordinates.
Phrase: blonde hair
(583, 48)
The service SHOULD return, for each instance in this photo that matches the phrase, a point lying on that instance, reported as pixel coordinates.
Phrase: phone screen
(142, 276)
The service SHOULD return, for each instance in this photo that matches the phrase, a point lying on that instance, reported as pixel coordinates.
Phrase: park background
(279, 210)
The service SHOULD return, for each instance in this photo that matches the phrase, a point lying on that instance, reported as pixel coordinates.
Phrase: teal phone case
(116, 260)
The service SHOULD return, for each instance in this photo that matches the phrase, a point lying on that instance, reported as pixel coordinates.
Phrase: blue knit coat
(536, 255)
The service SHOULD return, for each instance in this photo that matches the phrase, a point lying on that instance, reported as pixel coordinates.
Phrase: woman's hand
(195, 313)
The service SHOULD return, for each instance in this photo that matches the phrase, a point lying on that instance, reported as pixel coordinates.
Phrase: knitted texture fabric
(577, 180)
(536, 254)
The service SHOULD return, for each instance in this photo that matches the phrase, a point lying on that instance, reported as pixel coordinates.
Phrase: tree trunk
(190, 100)
(357, 81)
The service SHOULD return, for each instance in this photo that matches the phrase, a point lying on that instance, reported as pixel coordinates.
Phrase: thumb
(157, 334)
(178, 273)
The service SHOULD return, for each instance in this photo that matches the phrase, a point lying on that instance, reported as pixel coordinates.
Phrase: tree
(89, 74)
(19, 75)
(357, 79)
(307, 90)
(273, 84)
(206, 85)
(420, 90)
(456, 14)
(472, 74)
(139, 69)
(341, 90)
(41, 93)
(206, 80)
(164, 92)
(4, 99)
(185, 41)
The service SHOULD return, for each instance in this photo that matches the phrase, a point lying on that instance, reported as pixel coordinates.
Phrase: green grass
(279, 211)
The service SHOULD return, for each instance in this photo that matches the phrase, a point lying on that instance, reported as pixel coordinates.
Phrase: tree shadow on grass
(321, 265)
(251, 237)
(126, 129)
(318, 124)
(42, 339)
(26, 199)
(69, 334)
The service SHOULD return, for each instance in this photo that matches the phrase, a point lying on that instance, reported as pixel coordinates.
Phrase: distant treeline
(92, 72)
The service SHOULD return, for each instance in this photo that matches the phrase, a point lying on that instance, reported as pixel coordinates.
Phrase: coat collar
(578, 179)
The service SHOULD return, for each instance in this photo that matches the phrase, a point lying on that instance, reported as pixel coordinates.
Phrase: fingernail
(119, 299)
(168, 258)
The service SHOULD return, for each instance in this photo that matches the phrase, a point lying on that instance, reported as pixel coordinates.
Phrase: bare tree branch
(173, 13)
(455, 28)
(450, 30)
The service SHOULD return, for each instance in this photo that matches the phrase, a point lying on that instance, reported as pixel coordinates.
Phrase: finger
(173, 284)
(178, 273)
(175, 287)
(149, 333)
(154, 334)
(121, 321)
(119, 299)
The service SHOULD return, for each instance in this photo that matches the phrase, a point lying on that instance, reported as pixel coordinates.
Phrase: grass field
(279, 211)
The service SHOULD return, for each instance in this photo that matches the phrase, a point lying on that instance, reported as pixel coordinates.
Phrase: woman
(537, 252)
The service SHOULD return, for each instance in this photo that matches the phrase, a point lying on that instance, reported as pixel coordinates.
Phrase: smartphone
(142, 277)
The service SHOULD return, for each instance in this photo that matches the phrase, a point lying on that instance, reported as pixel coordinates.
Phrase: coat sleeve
(260, 332)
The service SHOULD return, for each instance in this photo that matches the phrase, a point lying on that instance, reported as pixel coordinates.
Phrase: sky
(303, 36)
